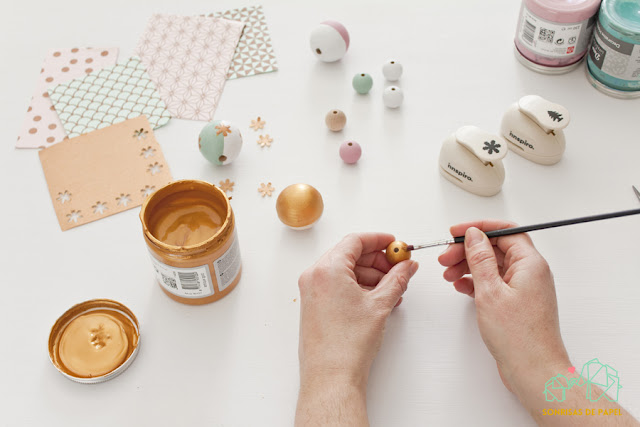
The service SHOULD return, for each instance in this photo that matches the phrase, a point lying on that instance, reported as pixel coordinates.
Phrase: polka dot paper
(188, 58)
(42, 127)
(108, 96)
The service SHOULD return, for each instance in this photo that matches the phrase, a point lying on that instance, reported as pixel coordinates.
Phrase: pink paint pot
(553, 36)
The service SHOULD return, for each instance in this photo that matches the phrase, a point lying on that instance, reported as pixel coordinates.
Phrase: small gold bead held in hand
(397, 251)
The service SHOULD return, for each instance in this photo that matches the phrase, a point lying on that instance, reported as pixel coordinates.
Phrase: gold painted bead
(299, 206)
(397, 252)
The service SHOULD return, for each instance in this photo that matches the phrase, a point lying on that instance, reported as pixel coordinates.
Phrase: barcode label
(528, 32)
(189, 280)
(194, 282)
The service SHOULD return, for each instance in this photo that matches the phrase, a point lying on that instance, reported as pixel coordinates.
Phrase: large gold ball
(299, 206)
(397, 251)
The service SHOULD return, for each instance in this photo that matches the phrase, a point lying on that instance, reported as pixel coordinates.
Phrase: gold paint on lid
(299, 206)
(94, 341)
(397, 252)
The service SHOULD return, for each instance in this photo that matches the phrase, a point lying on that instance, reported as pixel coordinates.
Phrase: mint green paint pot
(613, 64)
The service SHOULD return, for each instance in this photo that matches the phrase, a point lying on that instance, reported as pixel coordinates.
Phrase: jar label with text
(615, 57)
(228, 265)
(552, 39)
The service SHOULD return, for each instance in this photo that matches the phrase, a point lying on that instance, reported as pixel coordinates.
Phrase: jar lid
(94, 341)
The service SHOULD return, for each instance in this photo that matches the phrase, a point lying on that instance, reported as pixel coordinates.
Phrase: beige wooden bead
(335, 120)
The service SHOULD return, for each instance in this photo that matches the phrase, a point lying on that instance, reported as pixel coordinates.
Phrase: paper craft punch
(533, 126)
(471, 158)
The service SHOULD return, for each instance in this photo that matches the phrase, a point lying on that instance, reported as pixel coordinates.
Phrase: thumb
(481, 260)
(395, 282)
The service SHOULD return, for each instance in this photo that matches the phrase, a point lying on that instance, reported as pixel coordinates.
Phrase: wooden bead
(335, 120)
(392, 97)
(362, 83)
(329, 41)
(397, 252)
(392, 70)
(220, 142)
(299, 206)
(350, 152)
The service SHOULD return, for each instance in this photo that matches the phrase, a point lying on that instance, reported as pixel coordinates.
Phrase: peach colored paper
(104, 172)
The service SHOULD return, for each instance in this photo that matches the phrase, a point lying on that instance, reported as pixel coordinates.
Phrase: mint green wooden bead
(220, 142)
(362, 83)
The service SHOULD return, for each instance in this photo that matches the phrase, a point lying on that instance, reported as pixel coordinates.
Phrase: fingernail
(414, 267)
(472, 237)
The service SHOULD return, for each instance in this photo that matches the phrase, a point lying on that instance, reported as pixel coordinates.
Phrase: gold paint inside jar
(94, 341)
(189, 228)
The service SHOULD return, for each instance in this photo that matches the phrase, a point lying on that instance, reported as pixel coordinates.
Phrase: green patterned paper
(108, 96)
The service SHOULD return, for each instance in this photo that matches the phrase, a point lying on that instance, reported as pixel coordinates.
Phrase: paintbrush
(527, 228)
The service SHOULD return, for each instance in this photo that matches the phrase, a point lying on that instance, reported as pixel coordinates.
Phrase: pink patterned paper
(42, 127)
(187, 57)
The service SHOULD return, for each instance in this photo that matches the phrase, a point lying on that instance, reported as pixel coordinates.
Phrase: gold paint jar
(189, 228)
(94, 341)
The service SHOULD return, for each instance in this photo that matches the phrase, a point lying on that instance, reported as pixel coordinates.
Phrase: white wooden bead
(392, 70)
(329, 41)
(392, 97)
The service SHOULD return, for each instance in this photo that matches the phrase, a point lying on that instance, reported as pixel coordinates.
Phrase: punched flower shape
(223, 129)
(226, 185)
(264, 141)
(266, 189)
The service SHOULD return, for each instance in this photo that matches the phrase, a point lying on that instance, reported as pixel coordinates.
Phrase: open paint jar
(613, 65)
(553, 35)
(94, 341)
(189, 228)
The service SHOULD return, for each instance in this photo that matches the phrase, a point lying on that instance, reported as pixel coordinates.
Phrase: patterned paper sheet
(188, 58)
(42, 127)
(254, 54)
(104, 172)
(108, 96)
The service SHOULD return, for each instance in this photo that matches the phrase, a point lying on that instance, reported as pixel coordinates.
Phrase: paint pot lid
(94, 341)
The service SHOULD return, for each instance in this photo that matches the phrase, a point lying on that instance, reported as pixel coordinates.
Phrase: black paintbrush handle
(527, 228)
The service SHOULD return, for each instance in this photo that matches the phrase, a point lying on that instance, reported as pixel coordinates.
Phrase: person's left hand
(346, 298)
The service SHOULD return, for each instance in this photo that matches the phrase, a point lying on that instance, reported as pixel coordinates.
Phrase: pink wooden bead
(350, 151)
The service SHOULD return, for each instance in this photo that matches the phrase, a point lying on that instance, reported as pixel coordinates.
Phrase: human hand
(346, 298)
(515, 298)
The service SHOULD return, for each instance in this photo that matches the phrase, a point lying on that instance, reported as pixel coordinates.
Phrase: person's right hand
(516, 304)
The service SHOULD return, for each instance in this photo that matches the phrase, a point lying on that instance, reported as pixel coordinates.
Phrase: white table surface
(234, 362)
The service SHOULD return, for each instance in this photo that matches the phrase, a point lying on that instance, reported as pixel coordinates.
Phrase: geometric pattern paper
(108, 96)
(103, 172)
(188, 58)
(41, 127)
(254, 54)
